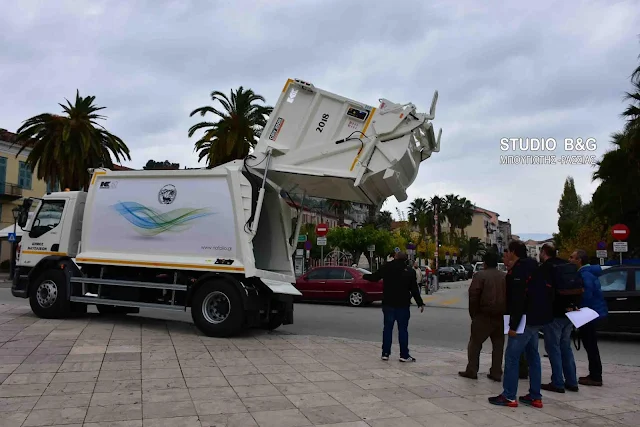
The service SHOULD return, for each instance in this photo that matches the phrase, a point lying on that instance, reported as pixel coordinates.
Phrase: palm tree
(466, 214)
(237, 130)
(64, 147)
(419, 216)
(339, 207)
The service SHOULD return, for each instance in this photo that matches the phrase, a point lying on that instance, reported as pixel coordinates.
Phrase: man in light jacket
(592, 298)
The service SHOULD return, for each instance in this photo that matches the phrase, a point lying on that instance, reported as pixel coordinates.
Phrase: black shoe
(573, 388)
(407, 359)
(465, 374)
(551, 387)
(492, 378)
(385, 357)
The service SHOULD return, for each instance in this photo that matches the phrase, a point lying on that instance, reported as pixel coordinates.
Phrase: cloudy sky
(544, 69)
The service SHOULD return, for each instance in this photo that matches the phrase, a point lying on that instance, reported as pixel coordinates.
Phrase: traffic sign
(620, 232)
(602, 245)
(371, 248)
(12, 237)
(620, 247)
(302, 238)
(411, 246)
(397, 249)
(601, 253)
(321, 241)
(322, 230)
(307, 245)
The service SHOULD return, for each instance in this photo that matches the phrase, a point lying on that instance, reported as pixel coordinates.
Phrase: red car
(337, 283)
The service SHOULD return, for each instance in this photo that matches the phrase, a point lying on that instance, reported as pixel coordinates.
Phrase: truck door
(45, 233)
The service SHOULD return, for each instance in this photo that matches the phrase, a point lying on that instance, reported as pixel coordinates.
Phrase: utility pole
(436, 229)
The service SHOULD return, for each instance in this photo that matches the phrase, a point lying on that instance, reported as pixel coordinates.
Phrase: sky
(545, 69)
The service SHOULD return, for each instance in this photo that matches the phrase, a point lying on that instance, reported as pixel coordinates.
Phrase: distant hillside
(534, 236)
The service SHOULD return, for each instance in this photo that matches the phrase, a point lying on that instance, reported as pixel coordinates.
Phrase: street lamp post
(16, 213)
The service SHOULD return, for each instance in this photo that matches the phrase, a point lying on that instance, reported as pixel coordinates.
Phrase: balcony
(10, 191)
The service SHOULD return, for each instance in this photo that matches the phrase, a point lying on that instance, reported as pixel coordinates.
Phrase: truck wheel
(356, 298)
(48, 295)
(217, 309)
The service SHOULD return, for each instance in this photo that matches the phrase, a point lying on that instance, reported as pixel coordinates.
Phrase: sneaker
(385, 357)
(551, 387)
(407, 359)
(465, 374)
(590, 381)
(573, 388)
(503, 401)
(529, 401)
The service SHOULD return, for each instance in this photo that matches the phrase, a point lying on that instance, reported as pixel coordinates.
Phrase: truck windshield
(48, 217)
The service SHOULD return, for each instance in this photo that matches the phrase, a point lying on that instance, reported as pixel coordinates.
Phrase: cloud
(547, 69)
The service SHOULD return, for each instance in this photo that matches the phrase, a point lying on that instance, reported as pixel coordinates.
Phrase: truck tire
(48, 295)
(217, 309)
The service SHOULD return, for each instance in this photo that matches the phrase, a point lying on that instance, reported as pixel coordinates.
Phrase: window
(336, 274)
(48, 218)
(319, 274)
(24, 176)
(637, 280)
(3, 174)
(347, 275)
(613, 281)
(52, 187)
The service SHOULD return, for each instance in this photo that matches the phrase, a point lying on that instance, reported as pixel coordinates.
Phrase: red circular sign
(620, 232)
(322, 230)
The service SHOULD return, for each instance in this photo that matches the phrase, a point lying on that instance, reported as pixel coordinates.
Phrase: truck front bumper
(20, 284)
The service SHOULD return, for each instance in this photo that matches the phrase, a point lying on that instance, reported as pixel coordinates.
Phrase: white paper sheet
(520, 330)
(582, 316)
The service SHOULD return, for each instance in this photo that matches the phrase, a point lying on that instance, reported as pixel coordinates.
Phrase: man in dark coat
(399, 285)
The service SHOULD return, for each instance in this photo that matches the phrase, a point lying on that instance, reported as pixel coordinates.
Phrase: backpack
(567, 280)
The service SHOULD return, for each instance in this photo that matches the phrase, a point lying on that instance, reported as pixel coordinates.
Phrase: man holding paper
(527, 298)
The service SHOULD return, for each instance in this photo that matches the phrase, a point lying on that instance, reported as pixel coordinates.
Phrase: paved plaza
(97, 371)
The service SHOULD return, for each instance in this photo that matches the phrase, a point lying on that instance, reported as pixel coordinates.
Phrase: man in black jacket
(399, 285)
(527, 295)
(557, 333)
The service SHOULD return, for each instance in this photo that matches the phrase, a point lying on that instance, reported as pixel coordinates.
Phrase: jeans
(391, 316)
(557, 343)
(526, 342)
(590, 342)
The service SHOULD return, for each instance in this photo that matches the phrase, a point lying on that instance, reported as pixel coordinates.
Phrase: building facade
(17, 181)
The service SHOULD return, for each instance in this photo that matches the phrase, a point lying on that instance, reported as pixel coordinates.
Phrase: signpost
(411, 250)
(321, 231)
(371, 249)
(620, 232)
(455, 257)
(602, 245)
(12, 237)
(307, 245)
(446, 257)
(302, 238)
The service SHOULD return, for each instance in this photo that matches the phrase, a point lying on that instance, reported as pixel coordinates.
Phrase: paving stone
(281, 418)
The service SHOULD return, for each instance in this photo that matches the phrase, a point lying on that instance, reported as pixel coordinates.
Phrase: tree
(237, 130)
(419, 217)
(64, 147)
(166, 165)
(569, 210)
(459, 213)
(339, 207)
(384, 220)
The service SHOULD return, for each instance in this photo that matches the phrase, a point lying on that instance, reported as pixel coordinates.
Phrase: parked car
(338, 283)
(447, 274)
(477, 267)
(462, 272)
(621, 289)
(469, 269)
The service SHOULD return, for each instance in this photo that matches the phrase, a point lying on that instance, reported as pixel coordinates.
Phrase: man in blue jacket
(593, 299)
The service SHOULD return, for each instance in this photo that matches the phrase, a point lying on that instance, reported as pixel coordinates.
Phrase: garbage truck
(218, 241)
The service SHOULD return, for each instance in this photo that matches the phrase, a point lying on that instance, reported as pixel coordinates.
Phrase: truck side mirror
(24, 214)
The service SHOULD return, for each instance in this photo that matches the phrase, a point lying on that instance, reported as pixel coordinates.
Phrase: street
(444, 323)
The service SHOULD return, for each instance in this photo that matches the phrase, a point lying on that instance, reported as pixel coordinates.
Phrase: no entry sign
(620, 232)
(322, 230)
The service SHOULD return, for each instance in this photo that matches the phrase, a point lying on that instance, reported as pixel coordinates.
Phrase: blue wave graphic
(150, 222)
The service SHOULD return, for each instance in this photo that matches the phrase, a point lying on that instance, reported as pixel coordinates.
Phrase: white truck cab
(219, 241)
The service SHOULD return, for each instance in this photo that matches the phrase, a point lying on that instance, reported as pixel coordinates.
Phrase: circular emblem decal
(167, 194)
